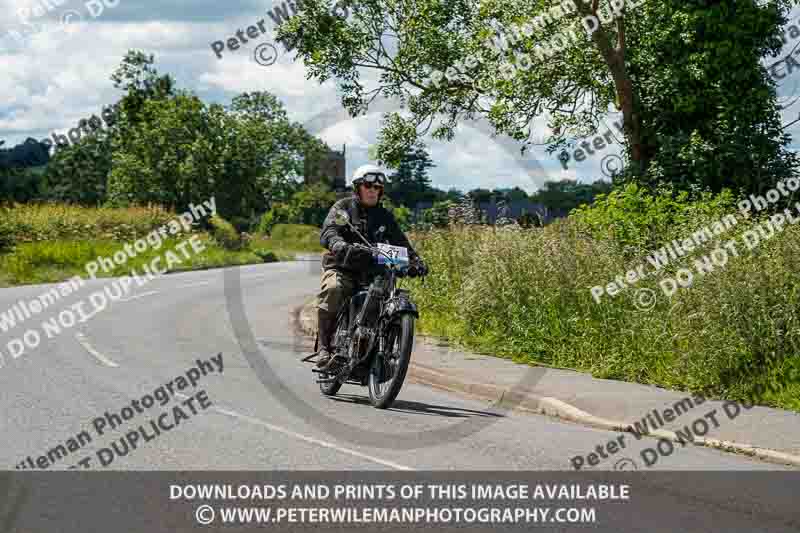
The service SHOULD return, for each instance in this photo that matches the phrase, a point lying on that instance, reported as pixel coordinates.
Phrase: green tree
(172, 149)
(285, 146)
(410, 183)
(309, 205)
(21, 184)
(696, 103)
(453, 194)
(480, 195)
(79, 173)
(140, 81)
(21, 172)
(565, 195)
(711, 119)
(516, 194)
(437, 215)
(171, 155)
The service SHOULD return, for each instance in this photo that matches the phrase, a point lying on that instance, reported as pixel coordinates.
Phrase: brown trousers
(336, 286)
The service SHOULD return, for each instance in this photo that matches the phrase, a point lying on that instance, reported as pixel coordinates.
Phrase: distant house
(416, 212)
(491, 210)
(332, 166)
(516, 209)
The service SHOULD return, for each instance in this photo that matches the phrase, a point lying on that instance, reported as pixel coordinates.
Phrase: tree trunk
(627, 99)
(629, 105)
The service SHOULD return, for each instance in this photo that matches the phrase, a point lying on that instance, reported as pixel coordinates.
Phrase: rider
(345, 265)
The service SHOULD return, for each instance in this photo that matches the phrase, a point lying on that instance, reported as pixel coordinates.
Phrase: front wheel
(388, 370)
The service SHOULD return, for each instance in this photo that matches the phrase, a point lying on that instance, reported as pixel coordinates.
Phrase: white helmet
(370, 173)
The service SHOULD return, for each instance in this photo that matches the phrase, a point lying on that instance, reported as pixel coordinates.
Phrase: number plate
(398, 254)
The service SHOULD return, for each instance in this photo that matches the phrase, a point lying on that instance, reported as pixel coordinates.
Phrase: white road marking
(81, 338)
(136, 296)
(305, 438)
(192, 285)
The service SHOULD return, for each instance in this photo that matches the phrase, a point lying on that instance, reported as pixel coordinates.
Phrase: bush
(267, 256)
(225, 234)
(638, 219)
(242, 224)
(278, 214)
(437, 215)
(308, 206)
(6, 233)
(400, 212)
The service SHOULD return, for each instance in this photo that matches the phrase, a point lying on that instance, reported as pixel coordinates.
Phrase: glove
(339, 249)
(346, 250)
(419, 268)
(361, 254)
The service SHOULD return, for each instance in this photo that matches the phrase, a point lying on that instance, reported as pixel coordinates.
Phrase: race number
(398, 255)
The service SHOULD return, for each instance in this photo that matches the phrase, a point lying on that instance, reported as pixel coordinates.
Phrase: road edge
(303, 320)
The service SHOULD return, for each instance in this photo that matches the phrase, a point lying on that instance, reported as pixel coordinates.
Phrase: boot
(326, 326)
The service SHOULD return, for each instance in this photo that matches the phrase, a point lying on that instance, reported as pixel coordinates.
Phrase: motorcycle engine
(361, 340)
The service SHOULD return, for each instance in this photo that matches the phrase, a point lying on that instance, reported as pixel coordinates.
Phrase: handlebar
(401, 272)
(371, 249)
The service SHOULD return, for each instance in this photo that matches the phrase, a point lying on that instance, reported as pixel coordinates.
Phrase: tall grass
(53, 242)
(525, 294)
(52, 221)
(57, 260)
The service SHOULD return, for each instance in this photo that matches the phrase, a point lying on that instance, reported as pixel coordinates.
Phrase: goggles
(373, 177)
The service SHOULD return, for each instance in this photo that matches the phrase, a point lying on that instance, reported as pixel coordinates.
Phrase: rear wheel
(389, 370)
(331, 388)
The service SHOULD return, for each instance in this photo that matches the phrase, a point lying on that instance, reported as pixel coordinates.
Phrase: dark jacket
(376, 223)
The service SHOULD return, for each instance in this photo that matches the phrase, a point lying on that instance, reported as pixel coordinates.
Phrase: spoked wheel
(332, 387)
(388, 372)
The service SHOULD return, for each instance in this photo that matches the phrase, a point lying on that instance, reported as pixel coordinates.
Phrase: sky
(59, 73)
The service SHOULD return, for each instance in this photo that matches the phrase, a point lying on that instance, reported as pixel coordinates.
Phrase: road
(134, 346)
(51, 393)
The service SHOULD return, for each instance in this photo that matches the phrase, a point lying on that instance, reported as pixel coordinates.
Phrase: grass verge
(289, 239)
(525, 295)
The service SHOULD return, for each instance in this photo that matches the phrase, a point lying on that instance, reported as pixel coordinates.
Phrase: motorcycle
(374, 333)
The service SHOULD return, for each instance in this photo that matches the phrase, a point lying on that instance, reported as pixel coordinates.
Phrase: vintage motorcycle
(374, 335)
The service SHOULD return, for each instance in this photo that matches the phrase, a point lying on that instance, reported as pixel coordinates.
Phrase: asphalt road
(53, 392)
